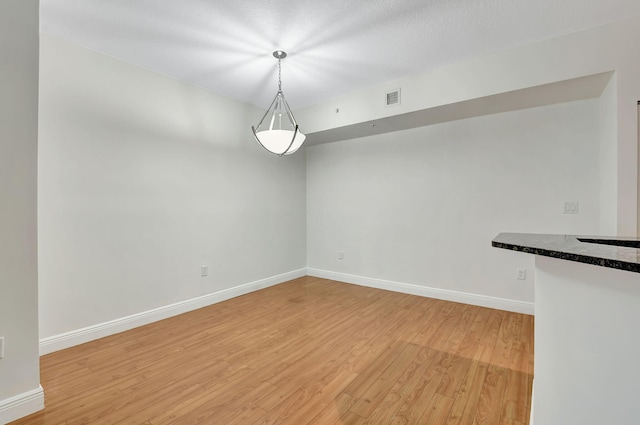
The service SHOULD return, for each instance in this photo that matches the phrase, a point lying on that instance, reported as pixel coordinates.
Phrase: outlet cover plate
(571, 207)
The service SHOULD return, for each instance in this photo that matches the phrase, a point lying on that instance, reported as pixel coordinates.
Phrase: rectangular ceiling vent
(393, 97)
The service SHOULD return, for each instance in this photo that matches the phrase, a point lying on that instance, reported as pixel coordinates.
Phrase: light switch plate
(1, 347)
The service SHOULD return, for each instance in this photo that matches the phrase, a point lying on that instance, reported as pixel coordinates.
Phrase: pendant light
(278, 131)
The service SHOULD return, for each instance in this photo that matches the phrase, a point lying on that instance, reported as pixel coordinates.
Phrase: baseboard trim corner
(21, 405)
(101, 330)
(430, 292)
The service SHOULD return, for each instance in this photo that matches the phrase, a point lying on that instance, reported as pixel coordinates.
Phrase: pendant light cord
(279, 75)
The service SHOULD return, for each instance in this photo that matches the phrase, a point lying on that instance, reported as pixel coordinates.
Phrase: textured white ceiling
(335, 46)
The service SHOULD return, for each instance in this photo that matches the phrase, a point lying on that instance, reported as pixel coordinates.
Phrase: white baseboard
(21, 405)
(533, 390)
(425, 291)
(90, 333)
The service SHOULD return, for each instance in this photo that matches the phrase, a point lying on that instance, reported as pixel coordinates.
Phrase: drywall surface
(421, 206)
(608, 154)
(144, 179)
(586, 349)
(607, 48)
(19, 369)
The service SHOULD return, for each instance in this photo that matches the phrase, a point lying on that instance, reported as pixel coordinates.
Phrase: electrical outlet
(521, 274)
(340, 255)
(1, 347)
(204, 271)
(571, 207)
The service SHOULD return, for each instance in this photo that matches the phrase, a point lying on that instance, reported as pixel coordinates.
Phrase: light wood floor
(309, 351)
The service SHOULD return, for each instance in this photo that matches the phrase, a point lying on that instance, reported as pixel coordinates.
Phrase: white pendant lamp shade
(278, 131)
(279, 141)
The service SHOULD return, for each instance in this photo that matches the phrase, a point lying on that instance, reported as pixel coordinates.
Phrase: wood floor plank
(489, 409)
(333, 411)
(465, 404)
(474, 333)
(485, 348)
(437, 410)
(369, 399)
(308, 351)
(402, 389)
(419, 400)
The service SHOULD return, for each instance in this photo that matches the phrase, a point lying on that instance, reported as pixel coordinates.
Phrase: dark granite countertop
(612, 252)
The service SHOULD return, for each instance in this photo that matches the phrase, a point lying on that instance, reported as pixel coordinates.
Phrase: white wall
(608, 156)
(611, 47)
(421, 206)
(20, 391)
(143, 179)
(586, 344)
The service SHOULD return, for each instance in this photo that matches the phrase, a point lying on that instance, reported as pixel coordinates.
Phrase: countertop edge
(567, 254)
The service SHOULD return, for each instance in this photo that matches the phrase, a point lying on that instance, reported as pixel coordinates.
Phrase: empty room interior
(436, 186)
